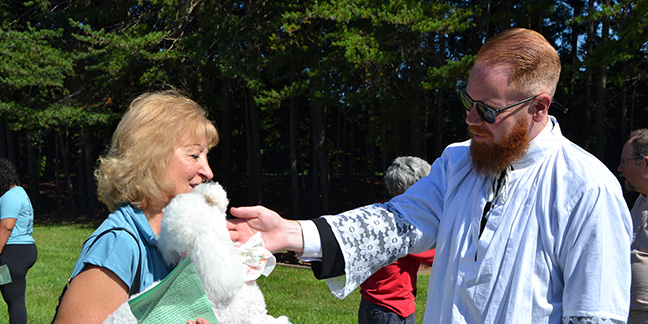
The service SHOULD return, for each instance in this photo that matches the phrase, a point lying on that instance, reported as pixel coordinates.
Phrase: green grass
(292, 292)
(58, 247)
(297, 294)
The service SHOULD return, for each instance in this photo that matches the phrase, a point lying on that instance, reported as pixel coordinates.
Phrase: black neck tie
(497, 186)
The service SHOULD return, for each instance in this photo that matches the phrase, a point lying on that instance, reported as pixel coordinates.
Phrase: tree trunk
(573, 76)
(255, 183)
(87, 199)
(7, 144)
(371, 141)
(32, 170)
(81, 181)
(49, 147)
(349, 136)
(587, 115)
(441, 94)
(321, 204)
(385, 155)
(293, 125)
(623, 112)
(600, 93)
(625, 90)
(416, 123)
(57, 170)
(225, 134)
(438, 132)
(65, 158)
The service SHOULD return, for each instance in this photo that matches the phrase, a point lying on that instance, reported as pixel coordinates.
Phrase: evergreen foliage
(306, 89)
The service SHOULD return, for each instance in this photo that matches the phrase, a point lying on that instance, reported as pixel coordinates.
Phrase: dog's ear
(214, 195)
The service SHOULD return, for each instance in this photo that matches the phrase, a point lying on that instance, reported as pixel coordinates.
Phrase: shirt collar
(542, 145)
(143, 226)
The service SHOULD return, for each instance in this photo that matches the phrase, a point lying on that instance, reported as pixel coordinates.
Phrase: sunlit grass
(58, 247)
(297, 294)
(292, 292)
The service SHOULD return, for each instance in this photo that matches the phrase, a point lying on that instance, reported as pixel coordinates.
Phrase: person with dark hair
(634, 168)
(528, 227)
(388, 295)
(17, 246)
(159, 150)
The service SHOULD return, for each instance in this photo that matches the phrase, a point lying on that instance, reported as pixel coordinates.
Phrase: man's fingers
(245, 212)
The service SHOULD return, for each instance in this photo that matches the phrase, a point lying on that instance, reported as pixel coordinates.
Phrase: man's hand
(278, 233)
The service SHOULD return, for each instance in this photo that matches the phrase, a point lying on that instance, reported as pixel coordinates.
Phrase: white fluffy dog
(195, 224)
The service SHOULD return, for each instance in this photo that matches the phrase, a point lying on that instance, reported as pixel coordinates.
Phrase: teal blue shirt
(16, 204)
(118, 252)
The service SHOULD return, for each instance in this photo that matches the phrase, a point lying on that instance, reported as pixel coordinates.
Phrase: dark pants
(375, 314)
(19, 258)
(638, 317)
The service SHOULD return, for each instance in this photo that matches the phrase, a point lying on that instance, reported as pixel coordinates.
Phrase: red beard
(495, 158)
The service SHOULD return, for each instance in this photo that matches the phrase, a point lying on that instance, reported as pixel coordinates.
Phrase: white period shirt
(555, 246)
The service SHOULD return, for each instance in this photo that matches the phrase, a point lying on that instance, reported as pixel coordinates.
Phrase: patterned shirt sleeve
(590, 320)
(370, 238)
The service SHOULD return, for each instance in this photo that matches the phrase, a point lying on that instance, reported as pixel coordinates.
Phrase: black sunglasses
(486, 112)
(489, 113)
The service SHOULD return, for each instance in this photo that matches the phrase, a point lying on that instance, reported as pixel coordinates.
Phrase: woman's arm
(10, 210)
(6, 227)
(92, 296)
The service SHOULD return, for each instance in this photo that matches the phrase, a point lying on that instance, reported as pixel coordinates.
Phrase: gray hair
(639, 143)
(404, 172)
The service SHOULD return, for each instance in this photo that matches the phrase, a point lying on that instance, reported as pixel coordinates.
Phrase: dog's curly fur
(195, 224)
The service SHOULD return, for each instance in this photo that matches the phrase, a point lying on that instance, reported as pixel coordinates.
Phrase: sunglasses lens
(465, 101)
(486, 113)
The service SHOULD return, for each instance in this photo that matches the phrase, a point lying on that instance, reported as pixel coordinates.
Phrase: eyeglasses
(486, 112)
(623, 161)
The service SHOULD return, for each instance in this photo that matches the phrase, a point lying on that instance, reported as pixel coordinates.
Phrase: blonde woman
(159, 150)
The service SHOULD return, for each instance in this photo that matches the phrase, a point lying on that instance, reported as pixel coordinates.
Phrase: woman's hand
(198, 321)
(278, 233)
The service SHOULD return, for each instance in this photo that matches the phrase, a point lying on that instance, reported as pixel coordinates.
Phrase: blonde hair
(533, 64)
(134, 168)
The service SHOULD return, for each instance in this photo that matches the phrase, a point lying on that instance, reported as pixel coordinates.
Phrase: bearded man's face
(489, 157)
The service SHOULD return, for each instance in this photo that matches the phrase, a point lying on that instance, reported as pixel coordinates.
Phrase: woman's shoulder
(116, 234)
(124, 216)
(14, 193)
(15, 203)
(118, 226)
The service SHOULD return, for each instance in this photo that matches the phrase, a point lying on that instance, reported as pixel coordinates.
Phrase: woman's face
(189, 167)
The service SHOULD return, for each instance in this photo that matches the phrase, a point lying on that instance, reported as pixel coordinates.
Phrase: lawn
(289, 291)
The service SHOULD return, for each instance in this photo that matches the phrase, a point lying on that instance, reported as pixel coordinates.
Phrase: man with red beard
(528, 227)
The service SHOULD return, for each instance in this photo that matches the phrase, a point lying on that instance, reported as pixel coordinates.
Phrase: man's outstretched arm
(278, 233)
(281, 234)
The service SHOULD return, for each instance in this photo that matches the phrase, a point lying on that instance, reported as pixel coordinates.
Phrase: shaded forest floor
(345, 193)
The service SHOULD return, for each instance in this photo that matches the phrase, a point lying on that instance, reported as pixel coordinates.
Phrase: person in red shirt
(388, 295)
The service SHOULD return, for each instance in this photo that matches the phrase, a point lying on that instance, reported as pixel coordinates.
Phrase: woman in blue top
(159, 150)
(17, 247)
